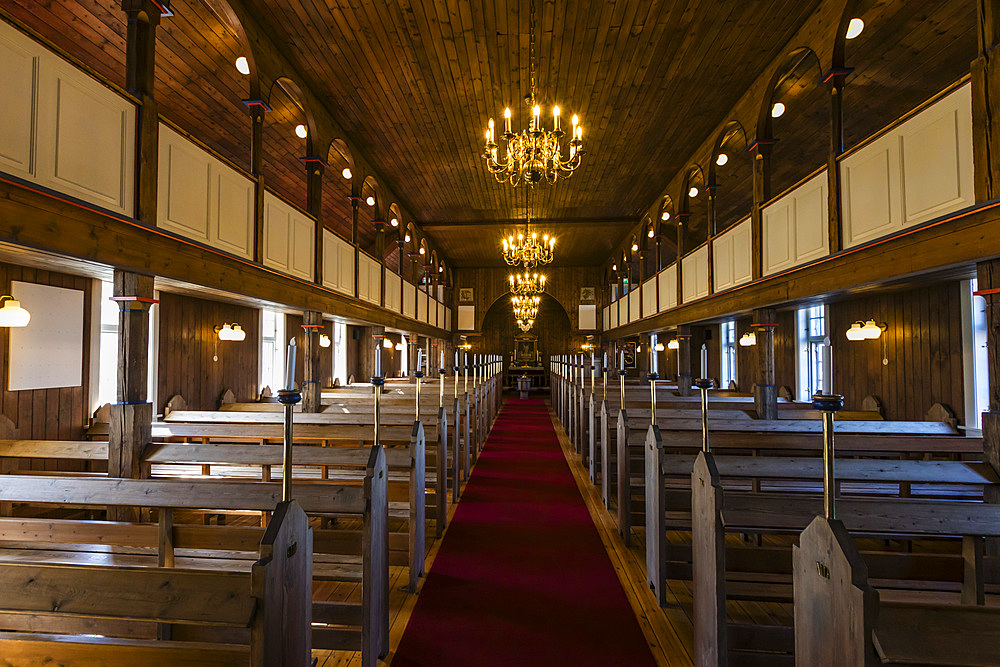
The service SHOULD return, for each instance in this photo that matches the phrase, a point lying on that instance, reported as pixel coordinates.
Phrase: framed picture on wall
(465, 295)
(629, 350)
(588, 294)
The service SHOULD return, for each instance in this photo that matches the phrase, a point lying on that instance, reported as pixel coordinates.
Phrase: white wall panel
(916, 172)
(694, 273)
(466, 318)
(731, 255)
(606, 318)
(447, 319)
(649, 297)
(440, 318)
(422, 305)
(288, 238)
(338, 263)
(19, 63)
(369, 279)
(393, 291)
(588, 316)
(795, 227)
(409, 300)
(668, 287)
(633, 306)
(612, 320)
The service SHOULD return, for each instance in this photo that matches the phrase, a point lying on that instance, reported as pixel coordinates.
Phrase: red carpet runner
(522, 577)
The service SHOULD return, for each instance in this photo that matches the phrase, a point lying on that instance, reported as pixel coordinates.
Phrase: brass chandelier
(527, 250)
(534, 154)
(527, 284)
(525, 325)
(525, 307)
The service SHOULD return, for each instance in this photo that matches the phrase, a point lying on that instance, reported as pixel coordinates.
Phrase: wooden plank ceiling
(413, 83)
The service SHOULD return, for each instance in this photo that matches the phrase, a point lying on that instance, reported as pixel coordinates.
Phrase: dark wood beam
(510, 222)
(962, 239)
(36, 219)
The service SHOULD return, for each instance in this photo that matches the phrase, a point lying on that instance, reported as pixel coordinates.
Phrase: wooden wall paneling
(923, 343)
(189, 345)
(555, 336)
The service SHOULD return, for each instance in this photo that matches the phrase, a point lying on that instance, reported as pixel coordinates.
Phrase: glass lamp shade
(324, 340)
(12, 315)
(871, 330)
(673, 345)
(857, 332)
(238, 333)
(748, 339)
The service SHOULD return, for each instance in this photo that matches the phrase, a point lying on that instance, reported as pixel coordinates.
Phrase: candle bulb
(704, 361)
(506, 120)
(378, 359)
(420, 360)
(621, 361)
(290, 365)
(441, 365)
(605, 364)
(555, 118)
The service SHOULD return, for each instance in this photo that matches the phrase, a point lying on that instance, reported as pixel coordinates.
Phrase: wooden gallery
(499, 332)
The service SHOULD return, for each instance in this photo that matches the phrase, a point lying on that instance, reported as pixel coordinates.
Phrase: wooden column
(766, 396)
(761, 194)
(315, 168)
(712, 228)
(986, 104)
(140, 68)
(834, 199)
(312, 326)
(355, 237)
(989, 280)
(684, 387)
(132, 415)
(257, 112)
(682, 222)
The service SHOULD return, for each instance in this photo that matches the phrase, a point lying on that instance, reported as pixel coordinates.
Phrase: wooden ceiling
(413, 83)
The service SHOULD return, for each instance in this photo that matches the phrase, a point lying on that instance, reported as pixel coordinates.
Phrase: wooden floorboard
(668, 630)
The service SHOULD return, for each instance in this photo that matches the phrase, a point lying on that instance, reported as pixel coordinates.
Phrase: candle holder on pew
(604, 375)
(653, 377)
(441, 373)
(418, 374)
(621, 382)
(288, 398)
(828, 405)
(703, 385)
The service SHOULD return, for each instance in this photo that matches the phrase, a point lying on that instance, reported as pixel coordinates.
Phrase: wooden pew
(367, 501)
(716, 510)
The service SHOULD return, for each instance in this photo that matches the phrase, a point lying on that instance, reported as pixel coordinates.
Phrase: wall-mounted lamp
(346, 173)
(399, 347)
(665, 215)
(693, 192)
(233, 332)
(301, 132)
(324, 340)
(865, 330)
(394, 222)
(673, 345)
(659, 347)
(242, 66)
(12, 315)
(370, 200)
(386, 343)
(748, 339)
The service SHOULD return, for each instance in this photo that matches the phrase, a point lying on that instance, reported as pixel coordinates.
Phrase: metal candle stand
(653, 377)
(704, 385)
(378, 382)
(604, 375)
(441, 373)
(418, 375)
(289, 398)
(621, 381)
(829, 405)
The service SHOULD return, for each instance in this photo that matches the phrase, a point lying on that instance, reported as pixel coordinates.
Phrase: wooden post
(761, 194)
(312, 323)
(985, 101)
(656, 538)
(140, 69)
(315, 168)
(766, 396)
(835, 86)
(684, 356)
(682, 221)
(708, 552)
(132, 415)
(355, 235)
(989, 279)
(624, 483)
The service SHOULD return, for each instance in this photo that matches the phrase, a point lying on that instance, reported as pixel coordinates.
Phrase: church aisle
(522, 576)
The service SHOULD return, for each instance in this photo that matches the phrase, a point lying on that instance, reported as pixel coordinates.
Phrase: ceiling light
(650, 233)
(748, 339)
(422, 251)
(12, 315)
(394, 222)
(301, 132)
(854, 28)
(673, 345)
(244, 67)
(777, 110)
(370, 201)
(347, 173)
(693, 192)
(635, 246)
(614, 267)
(665, 215)
(324, 340)
(722, 159)
(406, 239)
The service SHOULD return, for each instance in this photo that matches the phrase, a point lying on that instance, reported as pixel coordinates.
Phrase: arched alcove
(284, 173)
(730, 176)
(552, 328)
(338, 214)
(694, 203)
(368, 213)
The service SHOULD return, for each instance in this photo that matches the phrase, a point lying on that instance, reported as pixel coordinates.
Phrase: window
(977, 390)
(728, 342)
(107, 355)
(340, 352)
(813, 363)
(272, 352)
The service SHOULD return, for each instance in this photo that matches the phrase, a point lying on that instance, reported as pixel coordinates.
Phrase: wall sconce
(865, 330)
(399, 347)
(12, 315)
(324, 340)
(659, 347)
(674, 345)
(233, 332)
(386, 343)
(748, 339)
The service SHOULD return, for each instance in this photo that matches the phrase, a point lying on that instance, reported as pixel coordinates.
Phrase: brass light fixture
(527, 284)
(534, 154)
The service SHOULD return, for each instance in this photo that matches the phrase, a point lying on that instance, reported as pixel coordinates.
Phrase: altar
(526, 362)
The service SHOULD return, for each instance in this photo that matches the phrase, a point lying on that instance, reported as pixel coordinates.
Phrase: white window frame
(974, 356)
(809, 355)
(727, 344)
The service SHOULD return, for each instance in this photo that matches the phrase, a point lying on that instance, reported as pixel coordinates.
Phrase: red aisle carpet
(522, 577)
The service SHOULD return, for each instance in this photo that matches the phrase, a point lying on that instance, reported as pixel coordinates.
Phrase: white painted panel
(649, 297)
(19, 60)
(393, 291)
(588, 317)
(466, 318)
(421, 305)
(48, 352)
(868, 192)
(722, 258)
(441, 318)
(742, 253)
(612, 320)
(668, 287)
(80, 119)
(330, 258)
(606, 318)
(694, 270)
(409, 300)
(936, 159)
(811, 229)
(302, 245)
(232, 220)
(778, 250)
(184, 183)
(369, 279)
(633, 305)
(277, 232)
(345, 267)
(447, 319)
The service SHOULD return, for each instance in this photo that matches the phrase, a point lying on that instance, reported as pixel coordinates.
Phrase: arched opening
(284, 144)
(796, 115)
(338, 214)
(368, 213)
(730, 176)
(552, 329)
(694, 207)
(666, 236)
